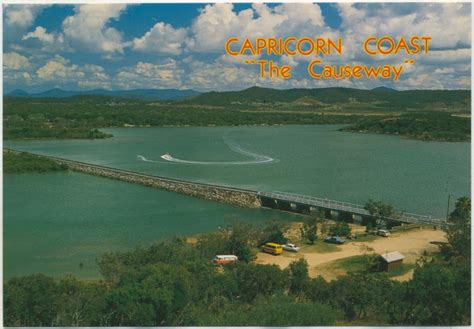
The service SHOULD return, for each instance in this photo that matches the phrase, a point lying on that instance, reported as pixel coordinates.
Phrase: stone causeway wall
(241, 198)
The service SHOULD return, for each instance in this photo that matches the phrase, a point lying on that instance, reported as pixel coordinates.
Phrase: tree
(241, 237)
(459, 231)
(211, 244)
(274, 232)
(362, 295)
(298, 273)
(380, 211)
(254, 280)
(341, 229)
(370, 258)
(309, 229)
(79, 303)
(30, 301)
(152, 296)
(462, 210)
(437, 295)
(277, 310)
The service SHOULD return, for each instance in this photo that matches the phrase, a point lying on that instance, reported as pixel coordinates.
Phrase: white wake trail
(141, 157)
(256, 158)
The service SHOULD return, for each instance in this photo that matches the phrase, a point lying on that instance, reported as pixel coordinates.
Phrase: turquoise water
(53, 222)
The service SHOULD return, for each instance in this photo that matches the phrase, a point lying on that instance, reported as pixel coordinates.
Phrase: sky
(120, 46)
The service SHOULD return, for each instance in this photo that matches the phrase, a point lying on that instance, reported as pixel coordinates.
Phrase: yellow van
(272, 248)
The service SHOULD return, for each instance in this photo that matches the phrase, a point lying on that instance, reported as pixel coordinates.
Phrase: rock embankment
(241, 198)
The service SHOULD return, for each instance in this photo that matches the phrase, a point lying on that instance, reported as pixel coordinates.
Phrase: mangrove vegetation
(17, 163)
(427, 126)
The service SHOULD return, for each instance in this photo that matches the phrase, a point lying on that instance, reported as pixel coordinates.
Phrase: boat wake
(255, 158)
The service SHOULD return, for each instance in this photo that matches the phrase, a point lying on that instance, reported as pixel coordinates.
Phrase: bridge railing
(349, 207)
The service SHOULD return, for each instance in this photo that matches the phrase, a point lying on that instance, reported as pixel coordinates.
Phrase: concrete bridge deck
(345, 207)
(237, 196)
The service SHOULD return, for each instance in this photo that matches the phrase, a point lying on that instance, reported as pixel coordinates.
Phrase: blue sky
(118, 46)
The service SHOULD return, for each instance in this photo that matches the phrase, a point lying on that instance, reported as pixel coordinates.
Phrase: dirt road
(412, 244)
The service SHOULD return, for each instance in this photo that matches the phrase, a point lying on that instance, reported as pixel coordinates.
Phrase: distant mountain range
(144, 94)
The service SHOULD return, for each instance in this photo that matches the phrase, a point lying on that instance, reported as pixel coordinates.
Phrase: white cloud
(219, 75)
(162, 38)
(14, 61)
(218, 22)
(165, 74)
(18, 19)
(40, 40)
(60, 71)
(40, 33)
(88, 29)
(96, 77)
(15, 68)
(21, 16)
(447, 23)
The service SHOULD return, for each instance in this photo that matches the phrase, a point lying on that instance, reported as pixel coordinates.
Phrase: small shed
(391, 260)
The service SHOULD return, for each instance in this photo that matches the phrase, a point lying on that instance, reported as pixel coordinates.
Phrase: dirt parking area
(412, 244)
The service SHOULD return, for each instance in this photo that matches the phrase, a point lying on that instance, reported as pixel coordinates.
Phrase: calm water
(54, 222)
(71, 218)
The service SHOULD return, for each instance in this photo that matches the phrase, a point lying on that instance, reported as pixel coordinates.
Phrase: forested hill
(387, 98)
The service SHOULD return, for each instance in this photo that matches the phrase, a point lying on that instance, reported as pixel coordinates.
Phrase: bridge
(342, 210)
(291, 202)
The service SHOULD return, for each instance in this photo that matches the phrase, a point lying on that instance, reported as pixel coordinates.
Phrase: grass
(403, 269)
(364, 238)
(350, 264)
(360, 263)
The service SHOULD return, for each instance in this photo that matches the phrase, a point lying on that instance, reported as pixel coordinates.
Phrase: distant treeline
(174, 284)
(425, 126)
(383, 98)
(17, 163)
(80, 116)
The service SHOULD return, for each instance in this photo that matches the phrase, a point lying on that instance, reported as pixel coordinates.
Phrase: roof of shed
(392, 256)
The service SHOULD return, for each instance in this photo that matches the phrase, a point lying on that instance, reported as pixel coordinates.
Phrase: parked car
(385, 233)
(291, 247)
(334, 239)
(272, 248)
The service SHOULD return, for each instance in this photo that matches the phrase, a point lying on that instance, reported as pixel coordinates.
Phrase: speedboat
(167, 156)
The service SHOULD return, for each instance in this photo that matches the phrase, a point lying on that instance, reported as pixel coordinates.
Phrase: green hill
(383, 99)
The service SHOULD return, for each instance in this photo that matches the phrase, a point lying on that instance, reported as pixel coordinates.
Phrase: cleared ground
(412, 244)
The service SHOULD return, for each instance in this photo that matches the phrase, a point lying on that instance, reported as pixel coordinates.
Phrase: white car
(290, 247)
(384, 233)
